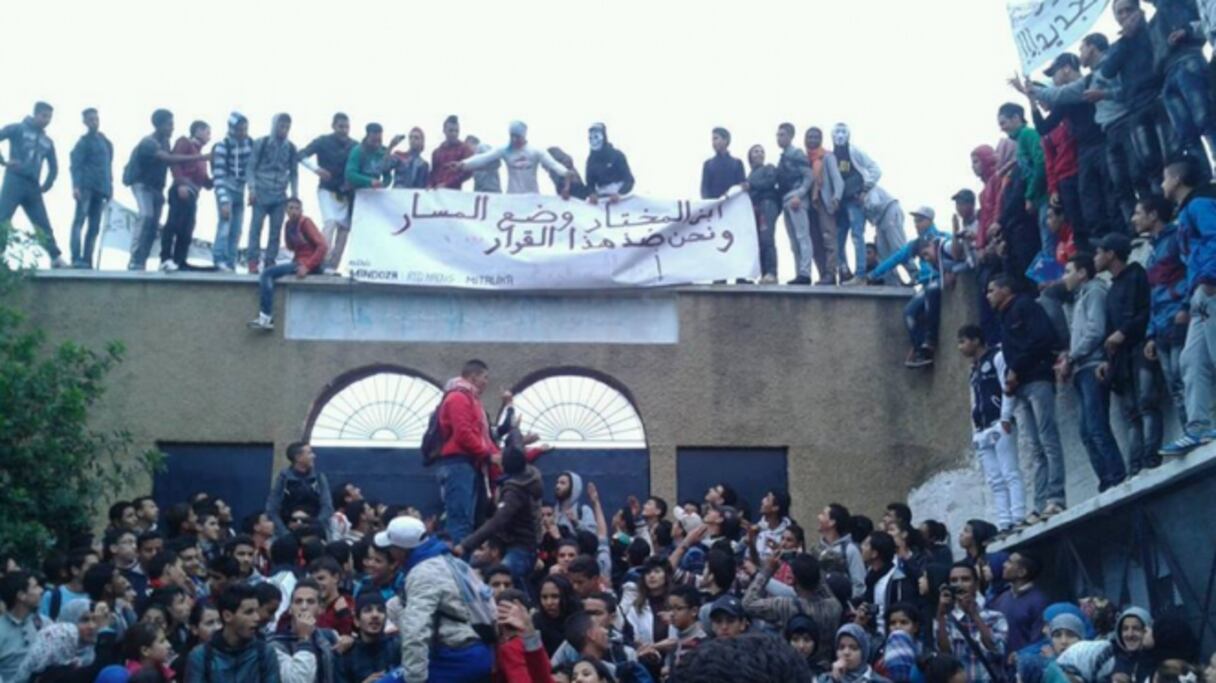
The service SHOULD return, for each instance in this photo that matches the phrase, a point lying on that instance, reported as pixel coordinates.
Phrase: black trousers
(179, 228)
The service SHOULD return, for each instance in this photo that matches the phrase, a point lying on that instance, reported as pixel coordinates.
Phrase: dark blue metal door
(237, 473)
(750, 471)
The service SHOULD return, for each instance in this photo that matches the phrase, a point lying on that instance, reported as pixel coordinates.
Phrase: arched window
(578, 411)
(387, 409)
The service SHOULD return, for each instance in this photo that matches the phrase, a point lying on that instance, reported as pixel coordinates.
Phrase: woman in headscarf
(63, 650)
(1033, 659)
(557, 602)
(852, 657)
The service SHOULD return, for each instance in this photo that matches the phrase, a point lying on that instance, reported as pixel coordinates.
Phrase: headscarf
(863, 640)
(1067, 622)
(1091, 660)
(56, 645)
(804, 623)
(73, 611)
(553, 629)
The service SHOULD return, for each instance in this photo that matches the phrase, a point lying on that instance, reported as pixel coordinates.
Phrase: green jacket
(363, 167)
(1030, 158)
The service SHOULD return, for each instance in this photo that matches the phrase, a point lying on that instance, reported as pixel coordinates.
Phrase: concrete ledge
(334, 281)
(1148, 482)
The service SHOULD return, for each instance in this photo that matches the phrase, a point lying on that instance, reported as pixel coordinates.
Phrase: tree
(56, 470)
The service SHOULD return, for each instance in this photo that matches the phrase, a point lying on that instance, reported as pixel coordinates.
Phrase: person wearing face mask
(608, 174)
(766, 202)
(860, 174)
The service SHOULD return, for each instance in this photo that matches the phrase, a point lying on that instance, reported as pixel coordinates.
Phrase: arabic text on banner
(446, 238)
(1042, 29)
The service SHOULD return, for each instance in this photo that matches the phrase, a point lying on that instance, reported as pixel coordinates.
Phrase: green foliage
(55, 470)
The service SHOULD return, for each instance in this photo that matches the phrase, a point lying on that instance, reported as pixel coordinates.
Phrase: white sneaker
(262, 322)
(223, 268)
(168, 267)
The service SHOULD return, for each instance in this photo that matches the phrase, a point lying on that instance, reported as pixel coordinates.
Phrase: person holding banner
(608, 171)
(307, 247)
(521, 161)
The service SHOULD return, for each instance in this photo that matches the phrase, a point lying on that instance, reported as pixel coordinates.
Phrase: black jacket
(364, 659)
(517, 519)
(1019, 228)
(606, 166)
(1131, 60)
(1028, 340)
(1085, 132)
(1127, 310)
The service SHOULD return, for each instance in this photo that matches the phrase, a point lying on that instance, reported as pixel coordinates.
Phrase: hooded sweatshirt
(990, 196)
(230, 162)
(572, 515)
(1196, 221)
(435, 604)
(608, 170)
(274, 167)
(30, 146)
(521, 163)
(516, 521)
(850, 159)
(1087, 325)
(1140, 664)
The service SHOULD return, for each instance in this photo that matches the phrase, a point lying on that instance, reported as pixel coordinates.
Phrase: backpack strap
(56, 602)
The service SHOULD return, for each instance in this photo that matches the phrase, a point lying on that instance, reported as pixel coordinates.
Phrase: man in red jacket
(308, 248)
(467, 448)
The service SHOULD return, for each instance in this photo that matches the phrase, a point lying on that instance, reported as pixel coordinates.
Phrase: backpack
(433, 438)
(298, 493)
(130, 172)
(478, 597)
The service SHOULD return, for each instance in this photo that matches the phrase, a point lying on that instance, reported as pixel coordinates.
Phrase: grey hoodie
(1087, 325)
(273, 168)
(572, 515)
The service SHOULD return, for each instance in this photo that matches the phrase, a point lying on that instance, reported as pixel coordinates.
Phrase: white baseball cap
(402, 532)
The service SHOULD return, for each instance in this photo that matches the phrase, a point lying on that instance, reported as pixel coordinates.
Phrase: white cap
(402, 532)
(924, 212)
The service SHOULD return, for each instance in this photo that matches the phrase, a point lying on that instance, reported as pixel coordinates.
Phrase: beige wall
(817, 371)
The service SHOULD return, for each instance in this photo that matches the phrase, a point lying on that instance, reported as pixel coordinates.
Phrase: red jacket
(441, 175)
(306, 243)
(342, 621)
(517, 664)
(462, 420)
(1060, 156)
(194, 173)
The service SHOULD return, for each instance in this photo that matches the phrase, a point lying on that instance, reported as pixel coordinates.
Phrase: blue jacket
(92, 163)
(364, 659)
(1167, 279)
(215, 662)
(1197, 227)
(927, 273)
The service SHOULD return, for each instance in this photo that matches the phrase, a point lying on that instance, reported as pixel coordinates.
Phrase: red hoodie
(1060, 156)
(990, 196)
(517, 664)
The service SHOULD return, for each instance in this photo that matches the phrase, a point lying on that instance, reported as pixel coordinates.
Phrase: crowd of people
(512, 582)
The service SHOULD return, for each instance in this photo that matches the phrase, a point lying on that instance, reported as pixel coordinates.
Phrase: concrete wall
(817, 371)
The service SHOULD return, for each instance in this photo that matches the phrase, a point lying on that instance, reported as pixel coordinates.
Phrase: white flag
(1043, 29)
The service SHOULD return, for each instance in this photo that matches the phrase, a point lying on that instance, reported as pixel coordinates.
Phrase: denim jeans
(275, 212)
(151, 202)
(1199, 362)
(18, 192)
(1096, 434)
(88, 208)
(1036, 416)
(1146, 137)
(179, 228)
(851, 218)
(1186, 98)
(521, 562)
(922, 316)
(798, 227)
(228, 231)
(457, 488)
(1122, 195)
(266, 284)
(1140, 405)
(766, 226)
(998, 456)
(1169, 354)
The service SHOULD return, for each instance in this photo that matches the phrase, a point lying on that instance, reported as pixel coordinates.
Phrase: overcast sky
(919, 82)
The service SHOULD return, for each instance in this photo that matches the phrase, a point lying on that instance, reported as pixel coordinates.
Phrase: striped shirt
(230, 166)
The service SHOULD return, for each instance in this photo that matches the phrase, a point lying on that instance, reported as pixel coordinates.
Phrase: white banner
(1043, 29)
(446, 238)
